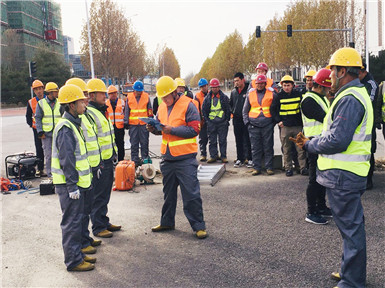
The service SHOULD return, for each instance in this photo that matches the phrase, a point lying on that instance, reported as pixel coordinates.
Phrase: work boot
(335, 276)
(96, 243)
(84, 266)
(89, 250)
(104, 234)
(89, 259)
(304, 172)
(201, 234)
(203, 159)
(325, 212)
(160, 228)
(224, 160)
(255, 172)
(270, 172)
(113, 228)
(289, 173)
(212, 160)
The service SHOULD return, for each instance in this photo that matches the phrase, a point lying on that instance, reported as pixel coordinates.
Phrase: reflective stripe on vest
(290, 106)
(178, 146)
(216, 111)
(89, 132)
(256, 108)
(383, 102)
(51, 116)
(117, 116)
(137, 109)
(104, 132)
(312, 127)
(82, 165)
(32, 103)
(356, 157)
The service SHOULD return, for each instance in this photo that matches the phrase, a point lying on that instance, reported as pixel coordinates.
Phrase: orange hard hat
(37, 84)
(111, 89)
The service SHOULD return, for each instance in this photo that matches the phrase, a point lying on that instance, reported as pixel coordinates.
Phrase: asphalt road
(257, 234)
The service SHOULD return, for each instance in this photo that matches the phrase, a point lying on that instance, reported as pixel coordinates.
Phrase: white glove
(75, 194)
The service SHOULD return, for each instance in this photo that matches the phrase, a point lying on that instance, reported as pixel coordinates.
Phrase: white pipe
(89, 43)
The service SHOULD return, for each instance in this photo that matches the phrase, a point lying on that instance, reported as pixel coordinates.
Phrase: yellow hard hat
(37, 84)
(51, 86)
(287, 78)
(165, 86)
(78, 82)
(310, 73)
(96, 85)
(346, 57)
(70, 93)
(180, 82)
(111, 89)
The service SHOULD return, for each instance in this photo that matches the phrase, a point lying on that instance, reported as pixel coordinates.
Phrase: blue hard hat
(138, 86)
(202, 82)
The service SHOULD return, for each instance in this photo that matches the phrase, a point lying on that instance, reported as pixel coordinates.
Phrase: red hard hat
(260, 79)
(262, 66)
(322, 77)
(214, 82)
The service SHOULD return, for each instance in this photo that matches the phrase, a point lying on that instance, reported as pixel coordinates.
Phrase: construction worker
(262, 69)
(287, 113)
(372, 87)
(38, 90)
(181, 123)
(344, 161)
(47, 115)
(309, 80)
(314, 107)
(216, 113)
(72, 176)
(182, 88)
(260, 124)
(203, 137)
(138, 105)
(115, 112)
(95, 160)
(242, 139)
(101, 226)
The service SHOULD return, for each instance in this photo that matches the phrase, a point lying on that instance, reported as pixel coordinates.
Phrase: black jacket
(224, 99)
(288, 120)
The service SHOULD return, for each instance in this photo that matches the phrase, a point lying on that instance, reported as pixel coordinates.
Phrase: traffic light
(258, 32)
(33, 67)
(289, 30)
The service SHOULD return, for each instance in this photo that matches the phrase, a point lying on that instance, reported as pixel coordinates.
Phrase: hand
(98, 173)
(300, 140)
(378, 126)
(280, 124)
(166, 129)
(150, 128)
(41, 135)
(75, 195)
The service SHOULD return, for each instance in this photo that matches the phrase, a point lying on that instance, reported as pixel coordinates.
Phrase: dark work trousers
(218, 133)
(71, 226)
(39, 150)
(138, 135)
(88, 197)
(372, 161)
(262, 143)
(203, 139)
(119, 140)
(348, 215)
(182, 173)
(315, 193)
(102, 194)
(242, 140)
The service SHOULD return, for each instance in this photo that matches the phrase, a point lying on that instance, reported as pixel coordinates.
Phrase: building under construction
(27, 26)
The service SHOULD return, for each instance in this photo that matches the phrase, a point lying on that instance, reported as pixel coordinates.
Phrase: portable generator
(22, 165)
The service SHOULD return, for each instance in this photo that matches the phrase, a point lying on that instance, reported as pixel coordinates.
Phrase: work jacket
(312, 127)
(47, 115)
(224, 106)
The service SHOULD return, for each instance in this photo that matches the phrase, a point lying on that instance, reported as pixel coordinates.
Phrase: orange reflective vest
(117, 116)
(178, 146)
(137, 109)
(200, 97)
(256, 108)
(269, 83)
(33, 102)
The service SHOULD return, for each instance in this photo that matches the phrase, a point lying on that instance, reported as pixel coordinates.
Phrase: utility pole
(89, 43)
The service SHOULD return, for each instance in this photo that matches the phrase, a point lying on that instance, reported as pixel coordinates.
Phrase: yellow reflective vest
(82, 165)
(216, 111)
(51, 116)
(356, 157)
(312, 127)
(89, 132)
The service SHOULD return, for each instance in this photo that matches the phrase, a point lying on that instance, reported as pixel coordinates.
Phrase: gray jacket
(40, 114)
(261, 121)
(346, 117)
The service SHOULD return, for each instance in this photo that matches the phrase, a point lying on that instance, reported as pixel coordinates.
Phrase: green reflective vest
(215, 111)
(104, 132)
(356, 157)
(383, 102)
(51, 116)
(312, 127)
(89, 132)
(82, 165)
